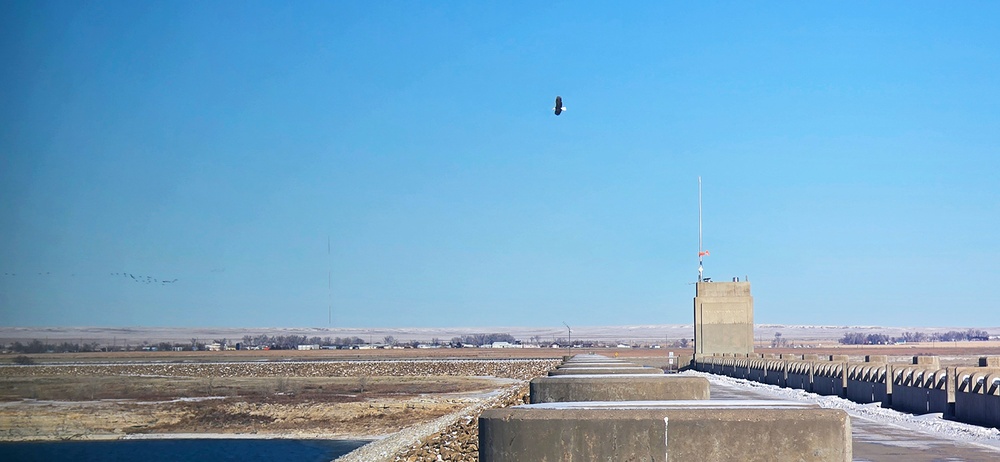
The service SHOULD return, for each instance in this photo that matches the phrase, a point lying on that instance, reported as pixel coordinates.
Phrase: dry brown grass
(109, 399)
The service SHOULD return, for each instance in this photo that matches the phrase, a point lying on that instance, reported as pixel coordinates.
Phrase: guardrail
(977, 396)
(967, 394)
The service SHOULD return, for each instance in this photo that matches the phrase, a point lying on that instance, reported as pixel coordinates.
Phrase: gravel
(509, 368)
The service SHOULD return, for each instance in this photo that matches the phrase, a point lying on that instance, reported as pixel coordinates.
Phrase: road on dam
(877, 439)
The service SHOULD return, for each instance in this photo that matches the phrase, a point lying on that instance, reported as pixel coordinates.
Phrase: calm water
(212, 450)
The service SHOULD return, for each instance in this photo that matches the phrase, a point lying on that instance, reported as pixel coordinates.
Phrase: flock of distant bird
(128, 276)
(145, 279)
(558, 109)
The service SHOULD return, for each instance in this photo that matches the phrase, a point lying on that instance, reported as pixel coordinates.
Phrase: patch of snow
(932, 424)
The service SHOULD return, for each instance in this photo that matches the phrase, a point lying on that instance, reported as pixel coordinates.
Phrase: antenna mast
(701, 253)
(329, 284)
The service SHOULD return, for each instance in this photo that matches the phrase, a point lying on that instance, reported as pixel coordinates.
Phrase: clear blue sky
(850, 155)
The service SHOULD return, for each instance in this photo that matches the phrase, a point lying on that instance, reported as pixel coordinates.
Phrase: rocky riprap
(454, 437)
(521, 369)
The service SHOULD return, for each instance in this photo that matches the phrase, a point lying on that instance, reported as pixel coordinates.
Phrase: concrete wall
(605, 370)
(977, 396)
(800, 374)
(830, 378)
(921, 390)
(966, 394)
(656, 417)
(723, 318)
(866, 383)
(621, 387)
(665, 431)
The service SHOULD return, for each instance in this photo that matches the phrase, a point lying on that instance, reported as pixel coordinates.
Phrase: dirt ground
(261, 396)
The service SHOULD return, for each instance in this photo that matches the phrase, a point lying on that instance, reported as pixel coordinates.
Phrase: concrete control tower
(723, 318)
(723, 311)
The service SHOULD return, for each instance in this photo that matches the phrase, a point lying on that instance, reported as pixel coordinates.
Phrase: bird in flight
(559, 107)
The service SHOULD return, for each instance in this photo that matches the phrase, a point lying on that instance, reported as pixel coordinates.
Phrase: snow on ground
(638, 332)
(932, 424)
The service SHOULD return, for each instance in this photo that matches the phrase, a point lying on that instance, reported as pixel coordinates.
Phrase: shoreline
(193, 436)
(253, 436)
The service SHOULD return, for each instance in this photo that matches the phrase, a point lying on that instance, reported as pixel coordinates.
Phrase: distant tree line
(482, 339)
(857, 338)
(37, 346)
(291, 342)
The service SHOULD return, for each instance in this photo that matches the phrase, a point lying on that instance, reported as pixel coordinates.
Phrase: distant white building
(309, 347)
(504, 345)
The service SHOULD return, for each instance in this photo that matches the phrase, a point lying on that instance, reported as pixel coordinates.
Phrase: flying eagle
(559, 107)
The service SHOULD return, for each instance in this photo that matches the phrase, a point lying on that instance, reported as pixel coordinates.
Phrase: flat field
(266, 393)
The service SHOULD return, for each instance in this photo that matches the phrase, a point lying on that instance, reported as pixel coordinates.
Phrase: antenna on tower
(329, 284)
(701, 251)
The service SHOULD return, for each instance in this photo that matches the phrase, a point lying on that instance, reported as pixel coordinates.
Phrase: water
(210, 450)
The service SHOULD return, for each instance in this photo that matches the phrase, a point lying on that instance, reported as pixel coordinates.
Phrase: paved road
(878, 441)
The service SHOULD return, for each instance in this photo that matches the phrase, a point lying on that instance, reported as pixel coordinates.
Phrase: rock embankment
(454, 437)
(521, 369)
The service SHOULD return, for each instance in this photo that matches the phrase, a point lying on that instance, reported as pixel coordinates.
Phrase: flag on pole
(703, 253)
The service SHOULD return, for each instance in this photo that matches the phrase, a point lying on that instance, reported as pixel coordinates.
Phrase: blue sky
(849, 155)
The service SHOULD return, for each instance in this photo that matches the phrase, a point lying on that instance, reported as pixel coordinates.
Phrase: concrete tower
(723, 318)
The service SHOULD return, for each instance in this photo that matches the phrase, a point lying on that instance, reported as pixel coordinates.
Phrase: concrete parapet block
(989, 361)
(605, 370)
(576, 365)
(876, 358)
(595, 360)
(589, 358)
(665, 430)
(810, 357)
(840, 358)
(621, 387)
(977, 398)
(923, 389)
(926, 361)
